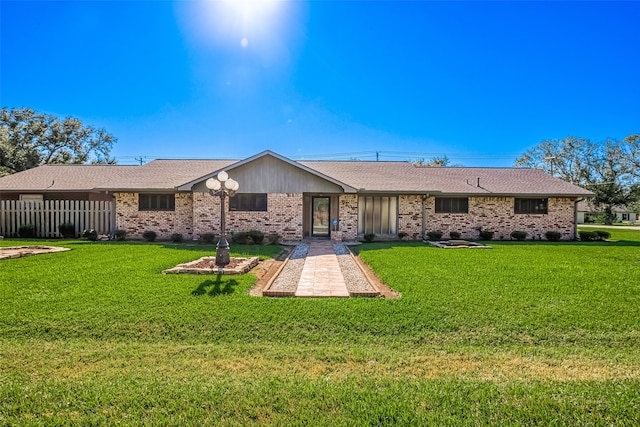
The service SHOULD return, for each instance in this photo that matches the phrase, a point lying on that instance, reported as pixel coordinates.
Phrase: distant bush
(603, 235)
(176, 237)
(454, 235)
(519, 235)
(402, 235)
(209, 238)
(120, 234)
(27, 231)
(369, 237)
(588, 236)
(90, 234)
(434, 235)
(486, 235)
(553, 236)
(67, 229)
(149, 236)
(257, 236)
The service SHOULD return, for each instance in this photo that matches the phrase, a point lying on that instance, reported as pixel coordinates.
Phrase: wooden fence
(49, 214)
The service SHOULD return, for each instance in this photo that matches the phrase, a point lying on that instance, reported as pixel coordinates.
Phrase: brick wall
(283, 216)
(497, 214)
(165, 223)
(410, 215)
(348, 217)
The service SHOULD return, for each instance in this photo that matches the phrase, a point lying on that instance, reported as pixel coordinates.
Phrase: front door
(320, 217)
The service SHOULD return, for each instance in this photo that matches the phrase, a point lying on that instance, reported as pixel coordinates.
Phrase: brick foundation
(198, 213)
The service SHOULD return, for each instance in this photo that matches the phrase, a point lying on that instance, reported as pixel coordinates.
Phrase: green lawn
(526, 333)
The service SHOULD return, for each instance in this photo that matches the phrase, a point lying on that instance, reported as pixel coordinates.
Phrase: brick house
(301, 199)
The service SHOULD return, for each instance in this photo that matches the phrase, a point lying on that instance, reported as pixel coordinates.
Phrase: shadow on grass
(215, 287)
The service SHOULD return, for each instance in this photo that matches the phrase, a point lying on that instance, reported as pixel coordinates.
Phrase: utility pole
(377, 156)
(140, 159)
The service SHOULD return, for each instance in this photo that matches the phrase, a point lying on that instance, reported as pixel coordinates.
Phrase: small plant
(603, 235)
(176, 237)
(241, 237)
(434, 235)
(486, 235)
(27, 231)
(402, 235)
(369, 237)
(454, 235)
(519, 235)
(553, 236)
(272, 238)
(120, 234)
(208, 238)
(588, 236)
(90, 234)
(67, 230)
(257, 236)
(149, 236)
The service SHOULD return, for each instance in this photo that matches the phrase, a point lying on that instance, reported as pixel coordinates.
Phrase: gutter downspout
(575, 218)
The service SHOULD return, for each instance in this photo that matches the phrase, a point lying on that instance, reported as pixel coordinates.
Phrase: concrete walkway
(321, 275)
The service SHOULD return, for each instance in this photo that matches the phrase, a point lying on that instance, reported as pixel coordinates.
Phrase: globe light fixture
(222, 186)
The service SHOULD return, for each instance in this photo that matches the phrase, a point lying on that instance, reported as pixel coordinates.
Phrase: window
(156, 202)
(378, 215)
(248, 202)
(625, 217)
(452, 205)
(531, 206)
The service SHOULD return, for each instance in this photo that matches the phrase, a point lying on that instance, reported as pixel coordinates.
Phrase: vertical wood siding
(47, 215)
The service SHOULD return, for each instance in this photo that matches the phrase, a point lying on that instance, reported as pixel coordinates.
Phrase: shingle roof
(64, 177)
(404, 176)
(364, 176)
(165, 174)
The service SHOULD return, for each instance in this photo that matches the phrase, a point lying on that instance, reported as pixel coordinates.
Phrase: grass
(525, 333)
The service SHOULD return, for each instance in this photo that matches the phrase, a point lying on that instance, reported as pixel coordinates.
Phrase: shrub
(272, 238)
(209, 238)
(519, 235)
(454, 235)
(149, 236)
(369, 237)
(257, 236)
(588, 236)
(486, 235)
(402, 235)
(176, 237)
(241, 237)
(90, 234)
(67, 229)
(27, 230)
(120, 234)
(553, 236)
(603, 235)
(434, 235)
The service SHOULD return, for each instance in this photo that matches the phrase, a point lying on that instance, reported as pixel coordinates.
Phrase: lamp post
(222, 186)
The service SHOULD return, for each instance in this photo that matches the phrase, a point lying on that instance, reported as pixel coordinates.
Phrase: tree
(434, 162)
(567, 159)
(29, 139)
(605, 168)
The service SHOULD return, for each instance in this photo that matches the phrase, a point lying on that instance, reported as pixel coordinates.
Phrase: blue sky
(478, 81)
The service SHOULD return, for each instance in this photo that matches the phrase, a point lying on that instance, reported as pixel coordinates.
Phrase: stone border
(268, 292)
(245, 266)
(10, 252)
